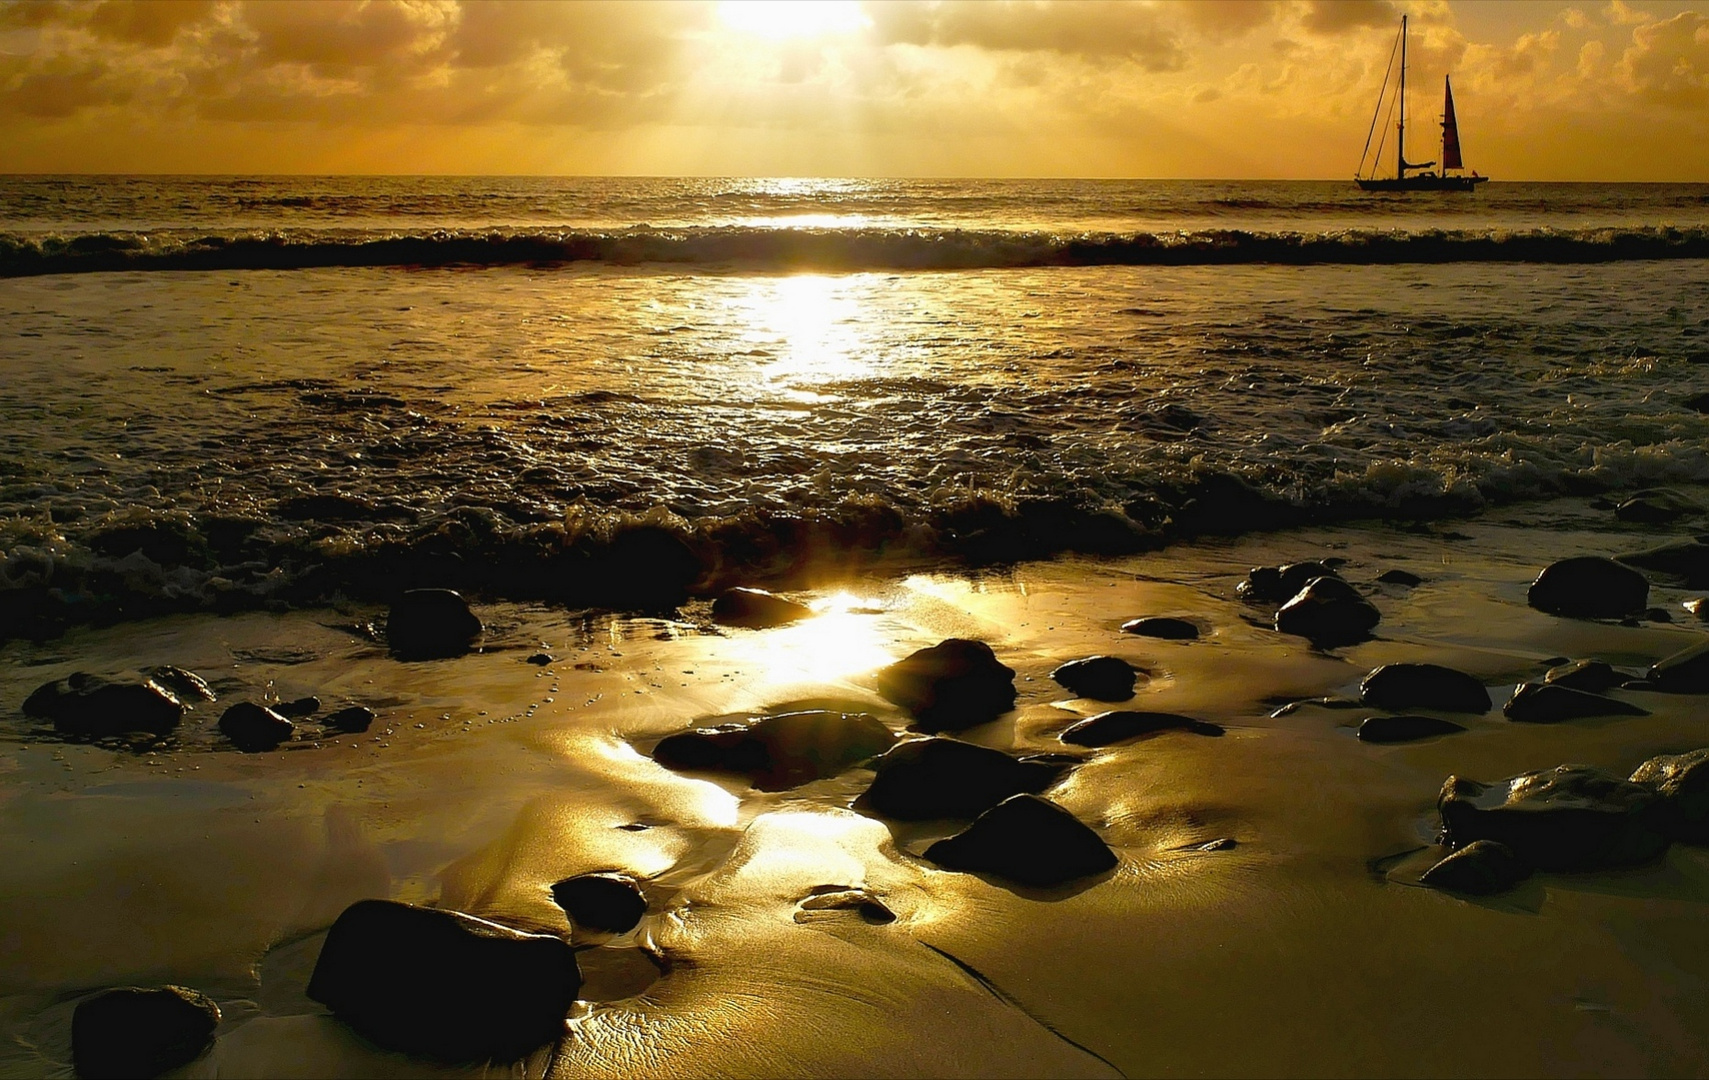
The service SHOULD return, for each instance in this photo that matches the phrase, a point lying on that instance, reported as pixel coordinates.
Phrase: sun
(781, 19)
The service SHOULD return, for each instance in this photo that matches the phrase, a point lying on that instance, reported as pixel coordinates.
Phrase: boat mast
(1400, 132)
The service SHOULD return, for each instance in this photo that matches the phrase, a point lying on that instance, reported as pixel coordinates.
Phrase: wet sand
(1304, 948)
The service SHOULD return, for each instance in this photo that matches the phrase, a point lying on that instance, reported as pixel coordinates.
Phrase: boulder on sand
(1026, 839)
(1399, 729)
(1398, 687)
(1682, 781)
(1685, 672)
(1550, 703)
(1686, 559)
(756, 608)
(351, 720)
(1164, 627)
(141, 1030)
(444, 984)
(1591, 676)
(952, 685)
(1119, 725)
(605, 901)
(1589, 587)
(1481, 868)
(1101, 678)
(947, 778)
(90, 706)
(1328, 612)
(429, 624)
(778, 752)
(1571, 817)
(254, 728)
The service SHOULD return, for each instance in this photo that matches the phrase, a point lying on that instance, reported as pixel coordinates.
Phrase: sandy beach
(1306, 946)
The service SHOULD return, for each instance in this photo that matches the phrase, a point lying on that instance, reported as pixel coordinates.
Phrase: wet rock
(944, 778)
(1591, 676)
(541, 659)
(1399, 729)
(351, 720)
(303, 706)
(141, 1031)
(1026, 839)
(1274, 584)
(1401, 578)
(756, 608)
(1571, 817)
(1589, 587)
(1688, 559)
(1682, 781)
(1481, 868)
(1101, 678)
(608, 901)
(1656, 507)
(646, 567)
(1164, 627)
(254, 728)
(778, 752)
(1328, 612)
(952, 685)
(185, 685)
(444, 984)
(428, 624)
(1551, 703)
(93, 707)
(1123, 724)
(1398, 687)
(1685, 672)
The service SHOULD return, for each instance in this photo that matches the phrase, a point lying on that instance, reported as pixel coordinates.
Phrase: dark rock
(1688, 559)
(427, 624)
(1591, 676)
(952, 685)
(646, 567)
(756, 608)
(93, 707)
(1682, 781)
(1169, 629)
(945, 778)
(1398, 687)
(1657, 614)
(1274, 584)
(1123, 724)
(352, 720)
(1398, 729)
(1328, 612)
(1685, 672)
(444, 984)
(610, 902)
(541, 659)
(1027, 839)
(303, 706)
(1589, 587)
(1102, 678)
(141, 1031)
(778, 752)
(1571, 817)
(254, 728)
(1481, 868)
(1550, 703)
(185, 685)
(1400, 577)
(1656, 507)
(1697, 403)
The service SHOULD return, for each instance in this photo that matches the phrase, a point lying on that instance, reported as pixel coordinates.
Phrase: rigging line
(1384, 141)
(1379, 110)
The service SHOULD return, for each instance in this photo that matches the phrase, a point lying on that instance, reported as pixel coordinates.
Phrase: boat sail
(1420, 178)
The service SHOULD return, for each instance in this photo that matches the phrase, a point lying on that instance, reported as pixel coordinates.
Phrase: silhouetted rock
(1274, 584)
(1027, 839)
(1162, 626)
(610, 902)
(1399, 729)
(1687, 559)
(1328, 612)
(303, 706)
(1398, 687)
(1123, 724)
(1102, 678)
(1550, 703)
(646, 567)
(1682, 781)
(428, 624)
(1481, 868)
(1571, 817)
(254, 728)
(1400, 577)
(141, 1031)
(1591, 676)
(778, 752)
(351, 720)
(952, 685)
(946, 778)
(1685, 672)
(1589, 587)
(756, 608)
(184, 685)
(444, 984)
(540, 659)
(93, 707)
(1656, 507)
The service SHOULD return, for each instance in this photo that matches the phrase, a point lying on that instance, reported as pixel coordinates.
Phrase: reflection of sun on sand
(1261, 919)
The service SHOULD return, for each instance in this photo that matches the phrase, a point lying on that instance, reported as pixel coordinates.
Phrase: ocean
(244, 393)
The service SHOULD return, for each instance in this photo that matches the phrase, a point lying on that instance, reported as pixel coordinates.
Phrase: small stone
(1102, 678)
(1591, 676)
(1123, 724)
(1399, 729)
(1589, 587)
(428, 624)
(952, 685)
(303, 706)
(1481, 868)
(351, 720)
(923, 779)
(92, 707)
(756, 608)
(1401, 578)
(610, 902)
(141, 1031)
(1329, 613)
(779, 752)
(1685, 672)
(254, 728)
(1551, 703)
(1398, 687)
(184, 685)
(1571, 817)
(1162, 626)
(1026, 839)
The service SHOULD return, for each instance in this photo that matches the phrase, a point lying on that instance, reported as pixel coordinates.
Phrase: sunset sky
(1205, 88)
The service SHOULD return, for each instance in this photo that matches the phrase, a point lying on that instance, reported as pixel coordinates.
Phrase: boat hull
(1421, 183)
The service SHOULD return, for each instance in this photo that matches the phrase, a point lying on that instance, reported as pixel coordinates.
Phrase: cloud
(1087, 28)
(1668, 61)
(1340, 16)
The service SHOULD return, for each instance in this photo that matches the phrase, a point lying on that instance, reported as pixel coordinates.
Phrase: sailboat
(1420, 178)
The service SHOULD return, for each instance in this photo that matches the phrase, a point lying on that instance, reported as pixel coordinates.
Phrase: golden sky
(1201, 88)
